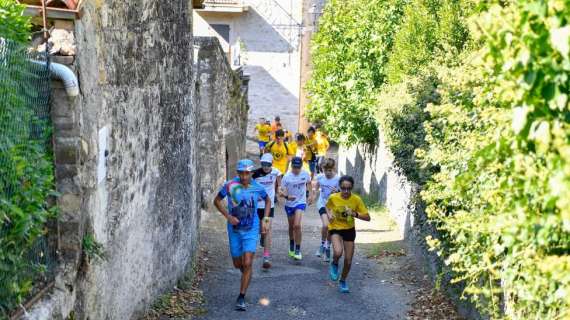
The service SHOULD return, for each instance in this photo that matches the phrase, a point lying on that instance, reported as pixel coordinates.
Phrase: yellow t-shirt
(294, 151)
(337, 205)
(263, 132)
(280, 153)
(310, 149)
(322, 144)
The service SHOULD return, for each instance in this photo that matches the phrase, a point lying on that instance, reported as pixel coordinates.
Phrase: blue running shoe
(333, 271)
(343, 286)
(240, 304)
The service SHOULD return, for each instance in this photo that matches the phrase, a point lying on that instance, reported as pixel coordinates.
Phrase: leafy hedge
(349, 57)
(474, 105)
(14, 25)
(26, 166)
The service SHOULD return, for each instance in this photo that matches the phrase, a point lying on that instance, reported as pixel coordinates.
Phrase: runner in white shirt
(327, 184)
(270, 179)
(294, 188)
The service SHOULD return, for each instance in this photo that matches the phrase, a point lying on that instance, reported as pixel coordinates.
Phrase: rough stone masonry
(126, 159)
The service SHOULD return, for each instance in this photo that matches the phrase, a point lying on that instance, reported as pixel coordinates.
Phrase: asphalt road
(302, 290)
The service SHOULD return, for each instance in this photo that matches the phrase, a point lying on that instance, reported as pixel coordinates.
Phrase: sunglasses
(266, 165)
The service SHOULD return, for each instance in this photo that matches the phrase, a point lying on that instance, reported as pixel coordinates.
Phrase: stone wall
(222, 102)
(126, 159)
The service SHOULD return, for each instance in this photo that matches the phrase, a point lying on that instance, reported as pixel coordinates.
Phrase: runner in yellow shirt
(323, 146)
(263, 134)
(297, 148)
(311, 151)
(342, 209)
(280, 151)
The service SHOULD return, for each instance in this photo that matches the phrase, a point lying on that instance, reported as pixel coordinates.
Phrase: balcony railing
(222, 2)
(224, 6)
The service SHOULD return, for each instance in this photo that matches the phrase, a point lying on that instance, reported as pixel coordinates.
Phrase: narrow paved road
(292, 290)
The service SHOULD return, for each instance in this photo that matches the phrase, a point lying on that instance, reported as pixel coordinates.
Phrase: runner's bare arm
(267, 207)
(218, 204)
(359, 214)
(311, 193)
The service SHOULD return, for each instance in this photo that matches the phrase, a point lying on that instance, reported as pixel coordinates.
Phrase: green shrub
(401, 114)
(26, 166)
(429, 27)
(13, 24)
(349, 56)
(476, 109)
(501, 138)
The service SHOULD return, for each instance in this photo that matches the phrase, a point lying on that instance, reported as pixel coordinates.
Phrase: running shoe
(240, 304)
(343, 286)
(320, 251)
(291, 254)
(298, 255)
(333, 271)
(327, 254)
(266, 262)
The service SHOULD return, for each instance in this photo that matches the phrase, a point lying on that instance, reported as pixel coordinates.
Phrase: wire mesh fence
(27, 250)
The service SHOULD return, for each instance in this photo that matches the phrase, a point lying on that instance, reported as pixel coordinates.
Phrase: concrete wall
(270, 32)
(223, 108)
(136, 194)
(379, 179)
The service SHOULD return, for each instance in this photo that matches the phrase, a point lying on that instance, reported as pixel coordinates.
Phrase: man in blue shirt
(242, 193)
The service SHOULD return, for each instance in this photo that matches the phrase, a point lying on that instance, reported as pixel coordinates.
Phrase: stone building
(128, 159)
(264, 37)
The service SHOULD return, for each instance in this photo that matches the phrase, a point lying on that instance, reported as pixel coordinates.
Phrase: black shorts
(345, 234)
(322, 211)
(261, 213)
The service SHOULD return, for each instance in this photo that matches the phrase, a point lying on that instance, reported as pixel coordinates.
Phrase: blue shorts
(313, 166)
(291, 210)
(262, 144)
(242, 241)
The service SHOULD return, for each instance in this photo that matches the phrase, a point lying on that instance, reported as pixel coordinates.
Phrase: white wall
(270, 32)
(378, 177)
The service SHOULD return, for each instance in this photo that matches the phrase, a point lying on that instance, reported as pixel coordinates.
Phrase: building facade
(264, 37)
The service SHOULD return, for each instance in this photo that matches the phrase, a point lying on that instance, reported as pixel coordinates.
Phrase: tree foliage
(13, 24)
(349, 58)
(26, 165)
(474, 106)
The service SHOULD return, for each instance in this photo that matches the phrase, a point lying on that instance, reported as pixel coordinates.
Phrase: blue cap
(245, 165)
(297, 162)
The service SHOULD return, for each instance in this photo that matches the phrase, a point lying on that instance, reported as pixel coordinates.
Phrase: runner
(342, 208)
(280, 151)
(328, 184)
(275, 124)
(323, 145)
(270, 179)
(263, 134)
(288, 136)
(311, 151)
(294, 187)
(297, 148)
(277, 128)
(243, 223)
